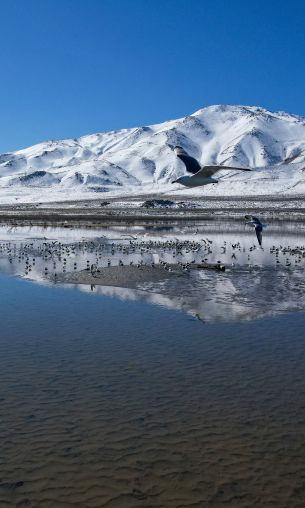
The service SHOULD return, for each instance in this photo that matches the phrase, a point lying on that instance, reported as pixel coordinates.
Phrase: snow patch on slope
(138, 160)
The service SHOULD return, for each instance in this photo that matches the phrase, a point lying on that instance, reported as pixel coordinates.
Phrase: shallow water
(141, 397)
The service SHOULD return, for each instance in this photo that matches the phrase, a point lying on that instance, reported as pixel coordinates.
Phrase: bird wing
(259, 235)
(207, 171)
(191, 164)
(253, 220)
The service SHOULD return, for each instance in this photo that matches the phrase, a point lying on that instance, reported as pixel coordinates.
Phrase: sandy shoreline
(128, 276)
(131, 211)
(119, 276)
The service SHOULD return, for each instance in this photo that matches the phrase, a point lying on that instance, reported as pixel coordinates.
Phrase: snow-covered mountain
(141, 159)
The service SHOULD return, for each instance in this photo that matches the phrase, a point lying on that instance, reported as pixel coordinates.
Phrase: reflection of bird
(256, 223)
(201, 175)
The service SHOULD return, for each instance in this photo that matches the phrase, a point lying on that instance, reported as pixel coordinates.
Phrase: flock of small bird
(91, 255)
(51, 257)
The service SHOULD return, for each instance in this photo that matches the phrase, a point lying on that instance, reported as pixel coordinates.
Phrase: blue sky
(73, 67)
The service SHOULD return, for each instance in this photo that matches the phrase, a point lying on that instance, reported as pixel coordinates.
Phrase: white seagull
(201, 175)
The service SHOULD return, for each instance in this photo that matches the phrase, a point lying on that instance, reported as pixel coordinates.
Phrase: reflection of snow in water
(257, 282)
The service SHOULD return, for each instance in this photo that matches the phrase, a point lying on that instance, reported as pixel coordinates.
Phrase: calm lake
(183, 391)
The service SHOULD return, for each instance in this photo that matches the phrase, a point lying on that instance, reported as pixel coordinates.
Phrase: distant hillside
(142, 160)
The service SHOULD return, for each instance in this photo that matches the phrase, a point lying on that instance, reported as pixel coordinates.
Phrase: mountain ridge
(141, 158)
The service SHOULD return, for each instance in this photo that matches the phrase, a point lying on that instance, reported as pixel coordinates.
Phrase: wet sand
(120, 276)
(126, 276)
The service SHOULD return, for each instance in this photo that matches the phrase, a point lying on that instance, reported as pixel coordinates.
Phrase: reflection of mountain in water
(256, 283)
(210, 296)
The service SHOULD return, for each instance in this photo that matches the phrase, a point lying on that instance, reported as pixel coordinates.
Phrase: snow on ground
(141, 160)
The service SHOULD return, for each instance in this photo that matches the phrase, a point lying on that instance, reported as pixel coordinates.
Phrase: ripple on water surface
(113, 402)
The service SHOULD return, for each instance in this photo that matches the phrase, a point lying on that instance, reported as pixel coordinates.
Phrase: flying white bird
(201, 175)
(256, 223)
